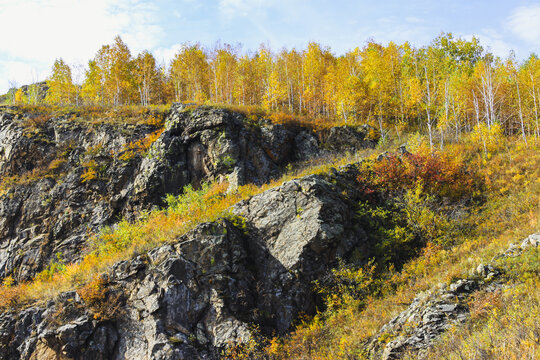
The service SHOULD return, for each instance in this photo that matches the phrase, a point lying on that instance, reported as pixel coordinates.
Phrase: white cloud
(166, 54)
(525, 23)
(392, 28)
(38, 31)
(493, 41)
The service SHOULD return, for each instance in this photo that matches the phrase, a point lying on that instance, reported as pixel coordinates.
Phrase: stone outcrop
(49, 208)
(63, 178)
(431, 313)
(193, 298)
(212, 144)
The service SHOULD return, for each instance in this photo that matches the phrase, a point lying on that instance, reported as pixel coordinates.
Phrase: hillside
(190, 232)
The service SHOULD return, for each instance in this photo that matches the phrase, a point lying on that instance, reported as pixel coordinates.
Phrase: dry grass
(35, 116)
(258, 113)
(503, 325)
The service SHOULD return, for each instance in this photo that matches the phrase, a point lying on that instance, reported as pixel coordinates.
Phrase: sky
(36, 32)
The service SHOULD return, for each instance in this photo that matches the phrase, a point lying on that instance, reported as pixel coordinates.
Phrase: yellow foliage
(20, 97)
(491, 136)
(90, 171)
(104, 303)
(61, 88)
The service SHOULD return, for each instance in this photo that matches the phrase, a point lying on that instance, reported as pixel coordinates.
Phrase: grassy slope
(504, 326)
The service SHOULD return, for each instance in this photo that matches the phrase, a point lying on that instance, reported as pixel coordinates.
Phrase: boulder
(340, 138)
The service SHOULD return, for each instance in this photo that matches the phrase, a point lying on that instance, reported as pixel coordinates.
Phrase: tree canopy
(448, 87)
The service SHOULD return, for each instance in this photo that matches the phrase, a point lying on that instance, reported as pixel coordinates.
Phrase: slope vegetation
(201, 232)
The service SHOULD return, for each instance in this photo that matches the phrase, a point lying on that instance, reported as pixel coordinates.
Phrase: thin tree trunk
(520, 112)
(477, 111)
(535, 106)
(428, 111)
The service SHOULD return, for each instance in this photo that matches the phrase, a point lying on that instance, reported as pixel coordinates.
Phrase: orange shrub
(439, 175)
(104, 303)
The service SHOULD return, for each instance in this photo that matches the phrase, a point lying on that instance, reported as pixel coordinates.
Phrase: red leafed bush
(440, 176)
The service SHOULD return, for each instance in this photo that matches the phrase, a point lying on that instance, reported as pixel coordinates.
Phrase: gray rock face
(306, 145)
(49, 208)
(297, 230)
(54, 204)
(341, 138)
(212, 145)
(191, 299)
(430, 314)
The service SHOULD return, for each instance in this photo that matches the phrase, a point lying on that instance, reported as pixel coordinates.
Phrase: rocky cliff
(191, 299)
(246, 274)
(63, 178)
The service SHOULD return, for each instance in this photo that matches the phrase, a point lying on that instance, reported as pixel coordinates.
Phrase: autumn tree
(315, 64)
(529, 74)
(34, 93)
(93, 88)
(431, 61)
(20, 97)
(488, 85)
(223, 65)
(291, 62)
(147, 78)
(276, 93)
(378, 78)
(61, 91)
(262, 65)
(189, 74)
(121, 79)
(345, 90)
(110, 77)
(243, 82)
